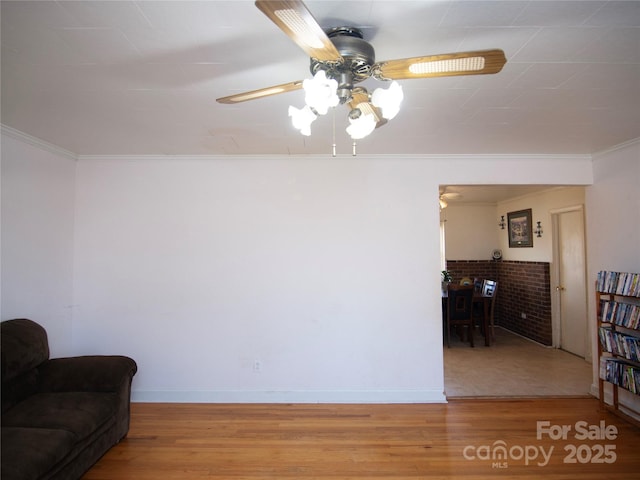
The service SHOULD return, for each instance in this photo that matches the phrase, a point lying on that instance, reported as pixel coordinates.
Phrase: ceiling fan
(445, 196)
(341, 58)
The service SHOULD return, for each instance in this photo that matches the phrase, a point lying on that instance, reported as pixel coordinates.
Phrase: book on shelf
(626, 315)
(620, 373)
(618, 336)
(619, 283)
(617, 343)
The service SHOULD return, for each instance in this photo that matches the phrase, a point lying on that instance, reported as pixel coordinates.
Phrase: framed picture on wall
(520, 228)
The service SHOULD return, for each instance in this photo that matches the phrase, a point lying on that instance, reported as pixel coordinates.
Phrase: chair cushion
(79, 413)
(29, 453)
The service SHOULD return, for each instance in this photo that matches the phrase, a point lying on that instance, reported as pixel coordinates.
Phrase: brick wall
(486, 269)
(523, 287)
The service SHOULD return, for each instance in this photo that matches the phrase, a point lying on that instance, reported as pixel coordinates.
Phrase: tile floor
(513, 366)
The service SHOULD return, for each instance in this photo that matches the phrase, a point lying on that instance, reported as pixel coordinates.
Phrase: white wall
(317, 269)
(325, 271)
(541, 204)
(38, 184)
(470, 231)
(613, 225)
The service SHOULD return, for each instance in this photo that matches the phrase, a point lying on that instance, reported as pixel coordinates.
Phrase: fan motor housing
(358, 54)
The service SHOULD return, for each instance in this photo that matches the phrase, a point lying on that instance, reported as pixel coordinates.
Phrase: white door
(571, 276)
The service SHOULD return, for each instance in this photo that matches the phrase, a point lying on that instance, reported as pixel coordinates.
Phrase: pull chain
(333, 151)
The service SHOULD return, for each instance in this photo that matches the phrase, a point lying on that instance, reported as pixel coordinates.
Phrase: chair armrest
(96, 373)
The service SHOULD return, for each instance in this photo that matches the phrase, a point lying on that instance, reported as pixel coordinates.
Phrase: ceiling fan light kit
(321, 93)
(302, 118)
(360, 124)
(340, 58)
(333, 84)
(388, 100)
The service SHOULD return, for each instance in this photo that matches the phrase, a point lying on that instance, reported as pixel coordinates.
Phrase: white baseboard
(365, 396)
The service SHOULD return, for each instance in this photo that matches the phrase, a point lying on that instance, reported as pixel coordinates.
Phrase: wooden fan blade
(358, 95)
(263, 92)
(360, 99)
(446, 65)
(451, 195)
(294, 19)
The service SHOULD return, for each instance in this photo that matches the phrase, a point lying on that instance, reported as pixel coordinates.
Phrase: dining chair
(490, 289)
(459, 310)
(477, 285)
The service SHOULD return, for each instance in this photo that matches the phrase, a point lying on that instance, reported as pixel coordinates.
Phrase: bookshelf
(618, 327)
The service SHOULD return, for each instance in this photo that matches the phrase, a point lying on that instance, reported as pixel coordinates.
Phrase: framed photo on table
(520, 228)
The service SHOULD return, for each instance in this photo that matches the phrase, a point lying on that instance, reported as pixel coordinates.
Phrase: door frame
(555, 276)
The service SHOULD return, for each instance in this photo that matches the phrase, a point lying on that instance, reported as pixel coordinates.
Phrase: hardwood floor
(326, 441)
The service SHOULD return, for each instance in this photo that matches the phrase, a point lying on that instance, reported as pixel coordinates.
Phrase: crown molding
(620, 146)
(341, 158)
(50, 147)
(36, 142)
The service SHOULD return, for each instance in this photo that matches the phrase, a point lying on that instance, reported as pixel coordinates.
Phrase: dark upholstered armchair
(59, 416)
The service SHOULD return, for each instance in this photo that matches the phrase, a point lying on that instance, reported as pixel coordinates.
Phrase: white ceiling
(142, 77)
(490, 194)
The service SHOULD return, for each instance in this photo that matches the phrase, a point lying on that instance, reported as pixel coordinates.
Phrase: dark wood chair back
(477, 285)
(460, 310)
(489, 288)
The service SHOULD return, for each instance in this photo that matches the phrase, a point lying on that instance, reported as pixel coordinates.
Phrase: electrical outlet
(523, 316)
(257, 366)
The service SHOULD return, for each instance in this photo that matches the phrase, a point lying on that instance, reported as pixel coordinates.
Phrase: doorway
(572, 375)
(569, 297)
